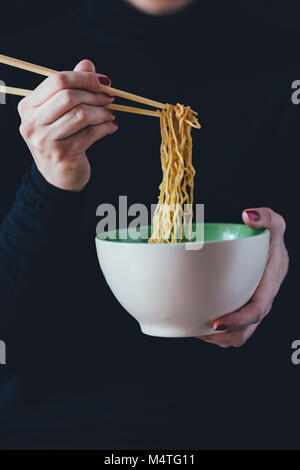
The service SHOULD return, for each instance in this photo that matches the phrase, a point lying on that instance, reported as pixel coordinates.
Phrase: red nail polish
(105, 80)
(116, 123)
(109, 96)
(253, 216)
(221, 327)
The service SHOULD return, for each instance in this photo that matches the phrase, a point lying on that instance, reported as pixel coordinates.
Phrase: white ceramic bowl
(173, 291)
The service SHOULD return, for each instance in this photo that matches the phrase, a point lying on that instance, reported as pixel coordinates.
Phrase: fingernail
(105, 80)
(109, 96)
(220, 327)
(253, 216)
(116, 123)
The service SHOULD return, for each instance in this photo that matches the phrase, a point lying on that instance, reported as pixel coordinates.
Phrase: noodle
(177, 187)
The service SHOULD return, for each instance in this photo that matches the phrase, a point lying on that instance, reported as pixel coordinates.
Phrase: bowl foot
(168, 331)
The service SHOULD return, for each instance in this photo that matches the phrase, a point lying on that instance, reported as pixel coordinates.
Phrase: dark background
(265, 399)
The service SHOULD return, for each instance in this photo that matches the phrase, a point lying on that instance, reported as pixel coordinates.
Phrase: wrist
(68, 181)
(49, 190)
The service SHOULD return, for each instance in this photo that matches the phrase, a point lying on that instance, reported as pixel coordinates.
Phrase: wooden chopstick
(21, 64)
(8, 90)
(114, 107)
(130, 109)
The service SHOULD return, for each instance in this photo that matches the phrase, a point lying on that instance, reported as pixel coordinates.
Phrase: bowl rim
(262, 232)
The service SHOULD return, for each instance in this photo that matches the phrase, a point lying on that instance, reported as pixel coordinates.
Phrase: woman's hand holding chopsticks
(61, 119)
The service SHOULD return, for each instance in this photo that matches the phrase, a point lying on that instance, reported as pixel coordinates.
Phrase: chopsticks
(112, 91)
(113, 107)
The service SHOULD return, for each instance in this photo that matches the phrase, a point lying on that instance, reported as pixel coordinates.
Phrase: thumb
(263, 217)
(85, 65)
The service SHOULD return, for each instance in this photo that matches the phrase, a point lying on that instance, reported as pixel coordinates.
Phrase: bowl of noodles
(173, 291)
(176, 277)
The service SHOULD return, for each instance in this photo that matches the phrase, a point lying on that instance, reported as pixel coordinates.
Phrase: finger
(251, 314)
(229, 339)
(85, 65)
(276, 268)
(261, 303)
(78, 118)
(220, 339)
(81, 141)
(65, 100)
(264, 217)
(64, 80)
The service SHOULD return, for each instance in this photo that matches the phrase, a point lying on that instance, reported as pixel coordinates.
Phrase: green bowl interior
(213, 232)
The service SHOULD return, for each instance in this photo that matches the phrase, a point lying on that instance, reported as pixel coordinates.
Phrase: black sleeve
(25, 234)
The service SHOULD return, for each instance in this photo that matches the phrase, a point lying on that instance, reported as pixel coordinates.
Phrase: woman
(81, 342)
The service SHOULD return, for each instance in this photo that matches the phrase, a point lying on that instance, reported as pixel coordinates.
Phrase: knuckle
(25, 130)
(59, 80)
(38, 142)
(66, 97)
(81, 113)
(58, 154)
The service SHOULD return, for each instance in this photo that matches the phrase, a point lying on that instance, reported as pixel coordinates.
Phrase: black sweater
(79, 372)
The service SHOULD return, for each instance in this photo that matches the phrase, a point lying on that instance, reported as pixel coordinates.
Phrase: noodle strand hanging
(177, 186)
